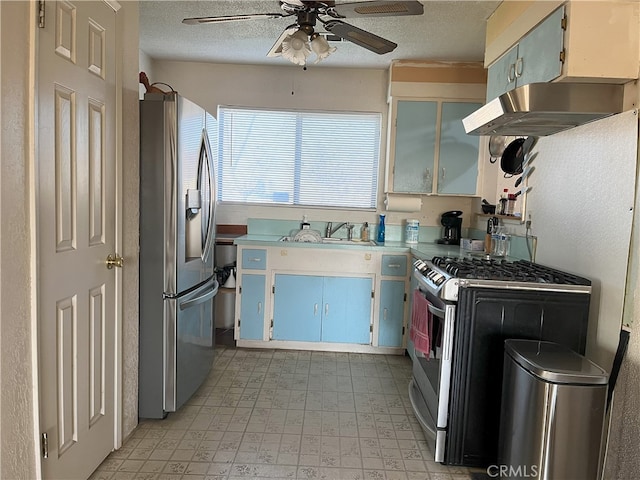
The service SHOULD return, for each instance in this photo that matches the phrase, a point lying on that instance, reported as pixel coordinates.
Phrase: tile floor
(276, 414)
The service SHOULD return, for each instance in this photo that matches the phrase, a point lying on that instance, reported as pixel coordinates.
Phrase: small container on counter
(412, 231)
(500, 244)
(364, 232)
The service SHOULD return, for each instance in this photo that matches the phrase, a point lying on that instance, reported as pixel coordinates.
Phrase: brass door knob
(114, 260)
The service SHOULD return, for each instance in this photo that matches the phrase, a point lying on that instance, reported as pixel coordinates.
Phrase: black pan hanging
(512, 157)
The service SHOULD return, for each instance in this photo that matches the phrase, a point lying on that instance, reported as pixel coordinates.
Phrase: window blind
(325, 159)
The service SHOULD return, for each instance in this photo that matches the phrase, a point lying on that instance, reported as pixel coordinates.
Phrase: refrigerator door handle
(201, 299)
(205, 156)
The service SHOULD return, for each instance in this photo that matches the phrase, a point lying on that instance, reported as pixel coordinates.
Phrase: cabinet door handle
(326, 309)
(394, 265)
(511, 73)
(259, 308)
(384, 313)
(444, 173)
(315, 309)
(519, 66)
(256, 259)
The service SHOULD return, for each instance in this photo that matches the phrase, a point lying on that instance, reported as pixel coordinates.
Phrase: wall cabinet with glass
(429, 151)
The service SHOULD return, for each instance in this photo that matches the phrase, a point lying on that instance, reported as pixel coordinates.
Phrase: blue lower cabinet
(391, 313)
(252, 306)
(347, 310)
(297, 308)
(311, 308)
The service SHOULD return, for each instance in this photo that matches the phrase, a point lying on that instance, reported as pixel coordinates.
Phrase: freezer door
(189, 199)
(189, 342)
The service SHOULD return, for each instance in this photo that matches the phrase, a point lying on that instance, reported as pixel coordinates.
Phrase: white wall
(130, 144)
(211, 85)
(17, 449)
(581, 206)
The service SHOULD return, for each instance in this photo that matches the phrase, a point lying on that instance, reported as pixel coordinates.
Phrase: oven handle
(438, 312)
(416, 410)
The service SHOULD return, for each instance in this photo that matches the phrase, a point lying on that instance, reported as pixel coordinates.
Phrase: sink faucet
(330, 230)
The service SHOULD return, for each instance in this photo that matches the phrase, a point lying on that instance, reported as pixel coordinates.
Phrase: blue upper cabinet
(415, 143)
(430, 151)
(537, 57)
(458, 159)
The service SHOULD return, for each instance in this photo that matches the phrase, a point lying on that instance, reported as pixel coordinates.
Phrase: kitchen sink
(333, 241)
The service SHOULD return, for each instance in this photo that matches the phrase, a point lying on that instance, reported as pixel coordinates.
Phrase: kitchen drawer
(394, 265)
(254, 259)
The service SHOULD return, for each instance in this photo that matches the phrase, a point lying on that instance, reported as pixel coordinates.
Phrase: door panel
(252, 307)
(415, 145)
(76, 167)
(458, 160)
(391, 313)
(297, 311)
(194, 340)
(347, 310)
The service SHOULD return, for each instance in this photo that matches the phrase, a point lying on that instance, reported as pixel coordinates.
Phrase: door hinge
(45, 445)
(272, 323)
(563, 22)
(273, 289)
(238, 323)
(372, 294)
(240, 289)
(371, 328)
(403, 331)
(405, 297)
(41, 14)
(562, 55)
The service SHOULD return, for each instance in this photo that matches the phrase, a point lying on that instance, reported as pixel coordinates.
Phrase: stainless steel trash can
(553, 406)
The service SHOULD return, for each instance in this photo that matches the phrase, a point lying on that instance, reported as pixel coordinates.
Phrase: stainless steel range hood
(541, 109)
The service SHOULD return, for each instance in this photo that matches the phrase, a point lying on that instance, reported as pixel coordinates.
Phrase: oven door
(430, 386)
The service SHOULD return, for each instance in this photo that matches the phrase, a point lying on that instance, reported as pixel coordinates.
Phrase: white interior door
(76, 232)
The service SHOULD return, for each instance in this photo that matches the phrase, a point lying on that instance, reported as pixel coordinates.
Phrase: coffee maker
(452, 230)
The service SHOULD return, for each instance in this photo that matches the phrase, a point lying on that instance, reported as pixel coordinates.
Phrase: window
(298, 158)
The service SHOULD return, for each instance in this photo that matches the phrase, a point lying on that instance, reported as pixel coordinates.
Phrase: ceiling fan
(300, 38)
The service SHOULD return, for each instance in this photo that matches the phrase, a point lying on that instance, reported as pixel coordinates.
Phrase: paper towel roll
(403, 204)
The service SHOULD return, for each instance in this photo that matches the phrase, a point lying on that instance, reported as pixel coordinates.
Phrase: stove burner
(518, 271)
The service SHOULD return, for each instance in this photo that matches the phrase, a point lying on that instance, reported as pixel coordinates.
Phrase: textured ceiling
(451, 30)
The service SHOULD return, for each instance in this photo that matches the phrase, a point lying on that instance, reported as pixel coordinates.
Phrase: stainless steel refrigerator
(177, 231)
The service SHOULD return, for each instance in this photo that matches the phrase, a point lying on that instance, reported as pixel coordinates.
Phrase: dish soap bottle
(364, 232)
(381, 229)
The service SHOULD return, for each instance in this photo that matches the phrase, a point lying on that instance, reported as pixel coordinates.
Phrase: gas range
(443, 276)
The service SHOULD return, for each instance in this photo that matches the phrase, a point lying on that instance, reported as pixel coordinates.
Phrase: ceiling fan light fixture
(295, 48)
(321, 47)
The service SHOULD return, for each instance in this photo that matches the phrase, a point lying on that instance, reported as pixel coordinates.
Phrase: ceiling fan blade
(360, 37)
(377, 9)
(276, 50)
(232, 18)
